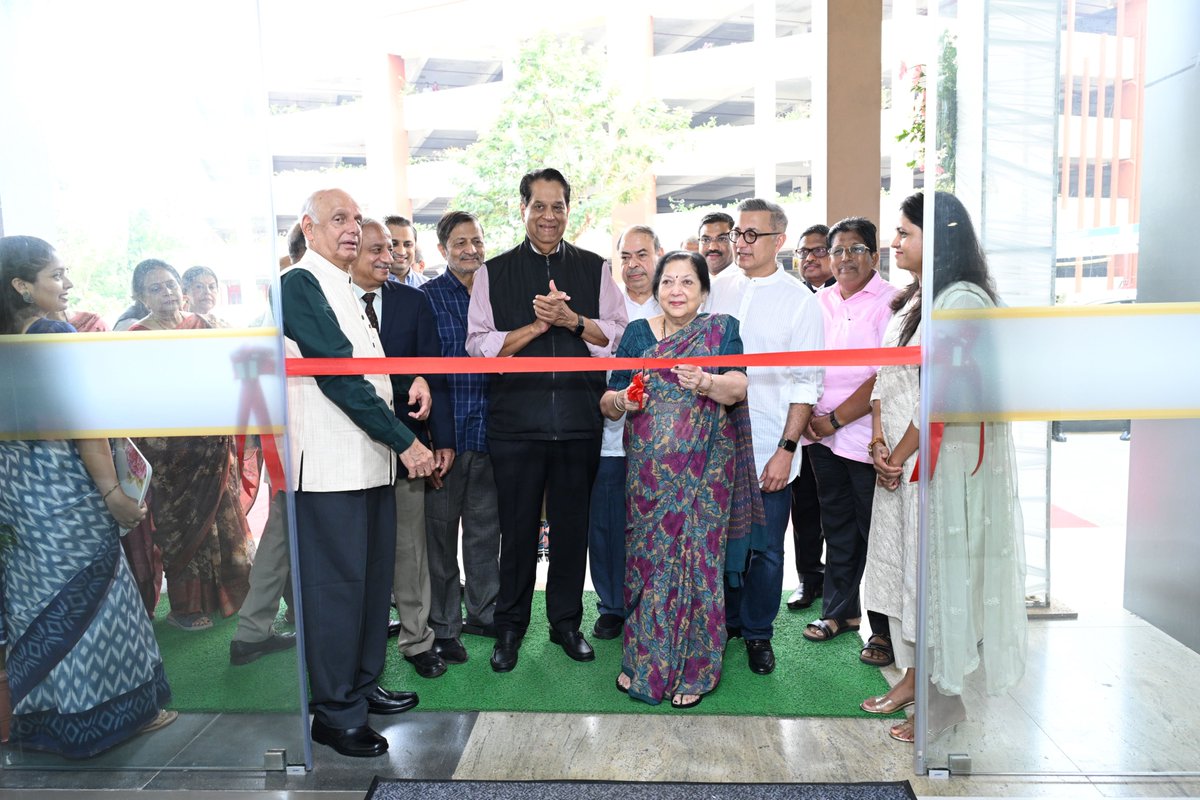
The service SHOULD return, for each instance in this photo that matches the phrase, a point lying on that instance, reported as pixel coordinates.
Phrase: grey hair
(643, 229)
(779, 220)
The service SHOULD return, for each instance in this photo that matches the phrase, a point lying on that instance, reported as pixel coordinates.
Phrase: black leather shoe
(381, 701)
(244, 652)
(573, 644)
(504, 654)
(394, 628)
(428, 664)
(761, 656)
(451, 651)
(360, 742)
(608, 626)
(733, 631)
(804, 596)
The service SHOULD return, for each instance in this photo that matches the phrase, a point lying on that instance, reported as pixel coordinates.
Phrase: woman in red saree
(196, 517)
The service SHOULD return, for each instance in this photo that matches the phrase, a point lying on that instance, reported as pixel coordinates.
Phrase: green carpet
(811, 680)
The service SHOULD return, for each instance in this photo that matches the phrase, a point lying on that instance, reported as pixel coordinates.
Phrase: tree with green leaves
(561, 113)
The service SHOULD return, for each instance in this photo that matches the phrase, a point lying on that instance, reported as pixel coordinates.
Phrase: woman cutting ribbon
(689, 487)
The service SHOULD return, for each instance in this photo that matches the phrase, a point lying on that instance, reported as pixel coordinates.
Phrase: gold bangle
(875, 441)
(710, 385)
(616, 400)
(110, 491)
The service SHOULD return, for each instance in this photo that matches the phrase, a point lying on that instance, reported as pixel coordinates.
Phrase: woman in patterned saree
(196, 517)
(684, 446)
(84, 670)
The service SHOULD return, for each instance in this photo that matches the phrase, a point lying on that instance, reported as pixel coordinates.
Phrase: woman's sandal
(824, 631)
(190, 622)
(620, 688)
(676, 702)
(907, 731)
(883, 705)
(877, 652)
(161, 721)
(903, 731)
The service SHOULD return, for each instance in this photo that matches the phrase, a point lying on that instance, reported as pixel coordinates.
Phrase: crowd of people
(678, 483)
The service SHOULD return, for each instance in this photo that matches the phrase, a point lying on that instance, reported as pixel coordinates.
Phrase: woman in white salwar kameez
(976, 550)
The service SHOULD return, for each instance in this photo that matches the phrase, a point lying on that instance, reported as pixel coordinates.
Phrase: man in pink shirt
(856, 311)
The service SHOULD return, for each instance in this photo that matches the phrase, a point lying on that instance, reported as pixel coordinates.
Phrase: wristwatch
(579, 326)
(833, 420)
(787, 444)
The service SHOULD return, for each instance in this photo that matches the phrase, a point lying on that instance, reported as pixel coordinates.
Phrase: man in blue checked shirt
(468, 493)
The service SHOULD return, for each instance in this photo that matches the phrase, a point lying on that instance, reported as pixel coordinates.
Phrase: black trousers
(807, 538)
(846, 489)
(561, 473)
(346, 546)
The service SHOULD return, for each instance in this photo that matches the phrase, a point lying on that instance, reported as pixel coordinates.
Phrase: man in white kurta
(777, 313)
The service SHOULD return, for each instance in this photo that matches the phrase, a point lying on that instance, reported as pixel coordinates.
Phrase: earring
(27, 297)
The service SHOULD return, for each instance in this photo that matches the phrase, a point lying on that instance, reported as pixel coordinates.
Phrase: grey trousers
(410, 577)
(270, 577)
(468, 495)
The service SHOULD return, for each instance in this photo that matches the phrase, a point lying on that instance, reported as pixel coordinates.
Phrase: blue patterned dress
(679, 494)
(84, 670)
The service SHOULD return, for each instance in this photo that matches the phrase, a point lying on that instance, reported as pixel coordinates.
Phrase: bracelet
(617, 404)
(110, 491)
(833, 420)
(710, 385)
(875, 441)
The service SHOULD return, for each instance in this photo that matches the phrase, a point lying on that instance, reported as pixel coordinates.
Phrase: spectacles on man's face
(819, 252)
(724, 238)
(750, 235)
(853, 250)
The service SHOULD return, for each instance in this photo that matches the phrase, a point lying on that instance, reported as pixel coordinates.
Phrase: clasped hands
(887, 474)
(551, 310)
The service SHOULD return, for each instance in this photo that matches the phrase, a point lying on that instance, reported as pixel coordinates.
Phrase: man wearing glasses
(714, 241)
(815, 266)
(777, 314)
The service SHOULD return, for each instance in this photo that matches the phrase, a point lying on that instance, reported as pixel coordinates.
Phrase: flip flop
(825, 631)
(676, 704)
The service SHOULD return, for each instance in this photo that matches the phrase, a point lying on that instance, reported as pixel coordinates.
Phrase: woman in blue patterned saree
(84, 670)
(689, 487)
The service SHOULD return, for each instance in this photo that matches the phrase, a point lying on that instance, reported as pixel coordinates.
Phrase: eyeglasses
(750, 235)
(819, 252)
(723, 239)
(854, 250)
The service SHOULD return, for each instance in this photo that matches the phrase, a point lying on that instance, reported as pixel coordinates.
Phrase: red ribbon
(866, 357)
(248, 364)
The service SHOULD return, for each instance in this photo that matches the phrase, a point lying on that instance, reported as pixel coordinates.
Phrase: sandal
(822, 631)
(877, 652)
(677, 703)
(190, 622)
(161, 721)
(620, 688)
(883, 705)
(903, 731)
